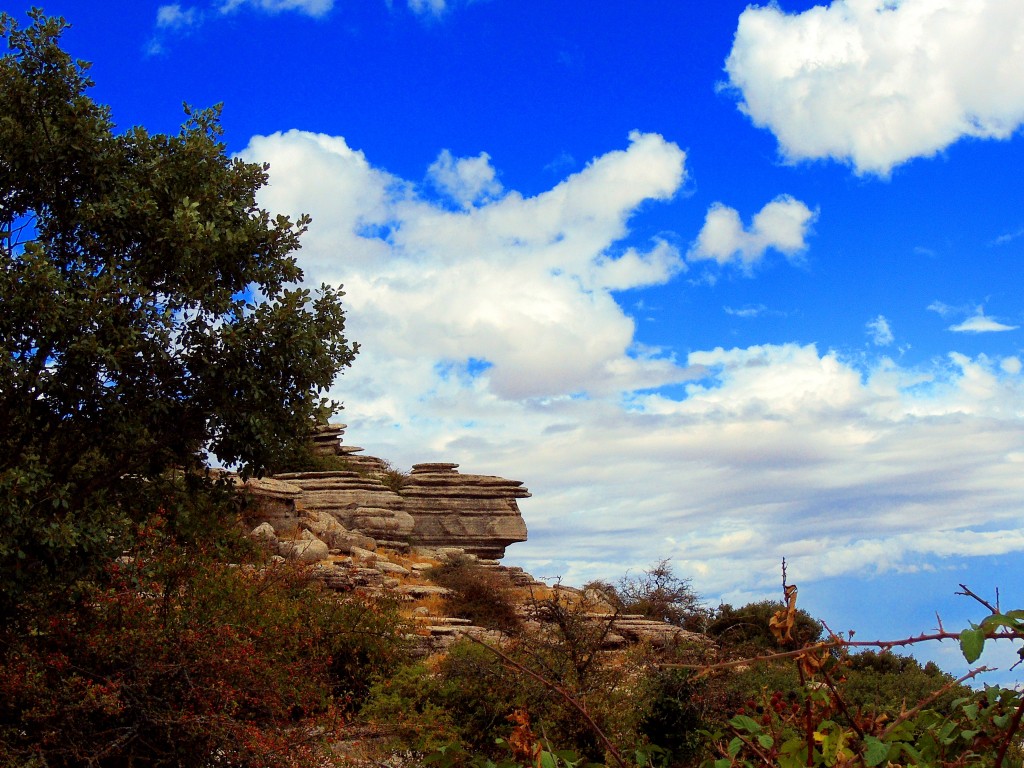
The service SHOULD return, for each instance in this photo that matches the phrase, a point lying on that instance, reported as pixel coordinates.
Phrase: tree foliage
(149, 313)
(658, 593)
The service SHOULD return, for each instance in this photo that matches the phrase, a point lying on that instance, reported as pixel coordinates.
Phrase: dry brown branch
(904, 716)
(569, 698)
(967, 592)
(838, 642)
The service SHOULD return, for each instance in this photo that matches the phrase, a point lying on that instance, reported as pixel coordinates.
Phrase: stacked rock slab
(438, 508)
(477, 513)
(359, 502)
(272, 501)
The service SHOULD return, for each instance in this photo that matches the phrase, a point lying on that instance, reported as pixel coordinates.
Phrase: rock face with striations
(360, 503)
(437, 506)
(477, 513)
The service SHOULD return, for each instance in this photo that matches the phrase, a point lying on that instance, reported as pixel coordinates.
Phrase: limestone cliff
(435, 506)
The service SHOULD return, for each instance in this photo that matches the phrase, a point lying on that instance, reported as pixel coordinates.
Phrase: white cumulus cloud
(523, 283)
(980, 323)
(492, 337)
(466, 180)
(878, 82)
(782, 225)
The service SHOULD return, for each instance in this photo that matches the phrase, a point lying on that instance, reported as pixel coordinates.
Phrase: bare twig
(968, 593)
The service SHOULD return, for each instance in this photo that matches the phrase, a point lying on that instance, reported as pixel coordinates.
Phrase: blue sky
(722, 284)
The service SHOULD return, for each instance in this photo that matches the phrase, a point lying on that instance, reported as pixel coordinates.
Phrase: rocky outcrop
(436, 508)
(357, 501)
(273, 502)
(477, 513)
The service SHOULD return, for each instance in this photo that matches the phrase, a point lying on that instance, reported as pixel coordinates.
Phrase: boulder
(306, 550)
(332, 533)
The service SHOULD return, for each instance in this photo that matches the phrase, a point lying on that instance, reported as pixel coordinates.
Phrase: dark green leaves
(129, 340)
(972, 642)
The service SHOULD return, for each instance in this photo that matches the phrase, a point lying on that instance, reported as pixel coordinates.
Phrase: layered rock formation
(357, 501)
(435, 507)
(477, 513)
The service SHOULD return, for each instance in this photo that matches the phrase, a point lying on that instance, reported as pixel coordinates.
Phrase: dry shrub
(478, 594)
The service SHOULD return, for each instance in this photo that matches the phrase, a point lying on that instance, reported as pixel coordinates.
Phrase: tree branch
(569, 698)
(967, 592)
(929, 699)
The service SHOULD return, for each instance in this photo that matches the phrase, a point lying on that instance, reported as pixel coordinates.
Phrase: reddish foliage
(176, 659)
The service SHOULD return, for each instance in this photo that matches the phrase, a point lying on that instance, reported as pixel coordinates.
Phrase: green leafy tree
(150, 315)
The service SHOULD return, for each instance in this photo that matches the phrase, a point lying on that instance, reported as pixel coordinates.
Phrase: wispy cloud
(175, 17)
(880, 332)
(941, 308)
(878, 83)
(1009, 237)
(980, 323)
(755, 310)
(781, 225)
(307, 7)
(433, 8)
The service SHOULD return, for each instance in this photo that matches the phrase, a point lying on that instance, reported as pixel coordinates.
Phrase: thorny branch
(1009, 735)
(967, 592)
(904, 716)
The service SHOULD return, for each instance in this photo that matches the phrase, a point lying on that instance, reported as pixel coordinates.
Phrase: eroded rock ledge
(434, 507)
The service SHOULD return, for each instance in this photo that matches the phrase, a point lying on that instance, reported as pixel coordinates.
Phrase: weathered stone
(264, 532)
(331, 532)
(394, 568)
(271, 501)
(304, 550)
(362, 554)
(477, 513)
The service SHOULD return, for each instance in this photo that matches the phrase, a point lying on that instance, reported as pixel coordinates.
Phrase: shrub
(482, 596)
(175, 659)
(745, 631)
(659, 594)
